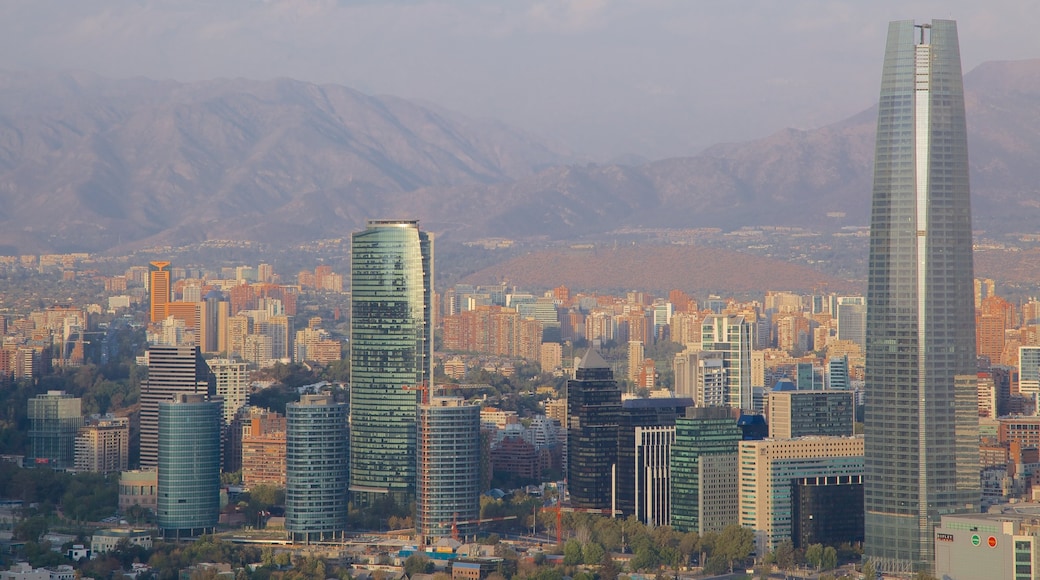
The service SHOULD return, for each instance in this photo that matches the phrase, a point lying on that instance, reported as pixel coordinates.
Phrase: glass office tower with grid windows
(189, 465)
(391, 347)
(921, 423)
(316, 469)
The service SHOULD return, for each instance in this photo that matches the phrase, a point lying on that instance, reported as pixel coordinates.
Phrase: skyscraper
(189, 465)
(921, 422)
(54, 420)
(448, 500)
(733, 337)
(316, 468)
(158, 289)
(593, 412)
(172, 370)
(391, 347)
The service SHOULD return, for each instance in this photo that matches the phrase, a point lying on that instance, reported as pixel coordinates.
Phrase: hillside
(658, 269)
(94, 164)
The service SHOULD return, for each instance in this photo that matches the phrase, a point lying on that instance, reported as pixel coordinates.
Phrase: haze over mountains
(90, 164)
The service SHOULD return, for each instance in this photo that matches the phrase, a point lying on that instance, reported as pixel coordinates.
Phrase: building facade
(448, 499)
(593, 413)
(54, 420)
(921, 421)
(800, 413)
(316, 462)
(769, 469)
(705, 492)
(391, 354)
(172, 370)
(104, 445)
(158, 290)
(733, 336)
(188, 466)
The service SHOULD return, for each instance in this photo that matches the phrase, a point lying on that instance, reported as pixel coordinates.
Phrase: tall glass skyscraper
(391, 347)
(921, 423)
(189, 466)
(315, 469)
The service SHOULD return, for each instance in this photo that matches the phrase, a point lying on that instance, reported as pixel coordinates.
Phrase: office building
(391, 353)
(769, 469)
(702, 376)
(646, 432)
(54, 420)
(733, 337)
(838, 373)
(802, 413)
(448, 499)
(921, 421)
(172, 370)
(593, 412)
(103, 446)
(852, 320)
(827, 510)
(1029, 372)
(635, 360)
(705, 492)
(158, 290)
(808, 379)
(316, 460)
(188, 465)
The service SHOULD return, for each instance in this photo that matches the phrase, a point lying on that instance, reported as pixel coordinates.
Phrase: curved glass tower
(315, 468)
(189, 465)
(391, 347)
(921, 423)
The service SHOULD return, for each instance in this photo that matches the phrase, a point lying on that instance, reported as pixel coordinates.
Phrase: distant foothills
(92, 164)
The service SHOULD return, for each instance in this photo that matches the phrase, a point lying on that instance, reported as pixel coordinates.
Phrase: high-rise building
(593, 412)
(838, 373)
(104, 445)
(158, 289)
(448, 498)
(733, 337)
(316, 459)
(391, 354)
(921, 421)
(704, 471)
(231, 382)
(635, 360)
(646, 432)
(852, 319)
(54, 420)
(188, 465)
(172, 370)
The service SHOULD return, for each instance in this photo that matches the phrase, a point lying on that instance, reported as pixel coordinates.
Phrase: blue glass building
(391, 346)
(316, 468)
(189, 466)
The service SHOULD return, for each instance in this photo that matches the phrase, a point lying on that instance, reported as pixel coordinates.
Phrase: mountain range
(93, 164)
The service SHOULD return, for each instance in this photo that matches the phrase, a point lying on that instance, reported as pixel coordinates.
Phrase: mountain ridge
(87, 163)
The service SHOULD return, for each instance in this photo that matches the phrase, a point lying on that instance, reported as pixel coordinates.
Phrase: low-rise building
(984, 546)
(106, 540)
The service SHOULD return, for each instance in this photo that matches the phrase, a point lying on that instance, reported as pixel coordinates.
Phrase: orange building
(159, 289)
(263, 451)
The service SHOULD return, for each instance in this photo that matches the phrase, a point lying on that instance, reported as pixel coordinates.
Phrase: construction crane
(559, 509)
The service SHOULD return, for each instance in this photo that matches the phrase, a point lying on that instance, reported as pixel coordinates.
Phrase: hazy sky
(655, 78)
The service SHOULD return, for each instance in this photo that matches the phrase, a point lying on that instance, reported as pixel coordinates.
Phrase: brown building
(138, 488)
(1024, 430)
(263, 450)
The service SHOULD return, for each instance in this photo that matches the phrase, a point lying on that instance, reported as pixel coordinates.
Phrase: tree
(830, 558)
(735, 544)
(645, 558)
(688, 546)
(869, 572)
(783, 556)
(417, 564)
(593, 553)
(814, 555)
(572, 555)
(608, 569)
